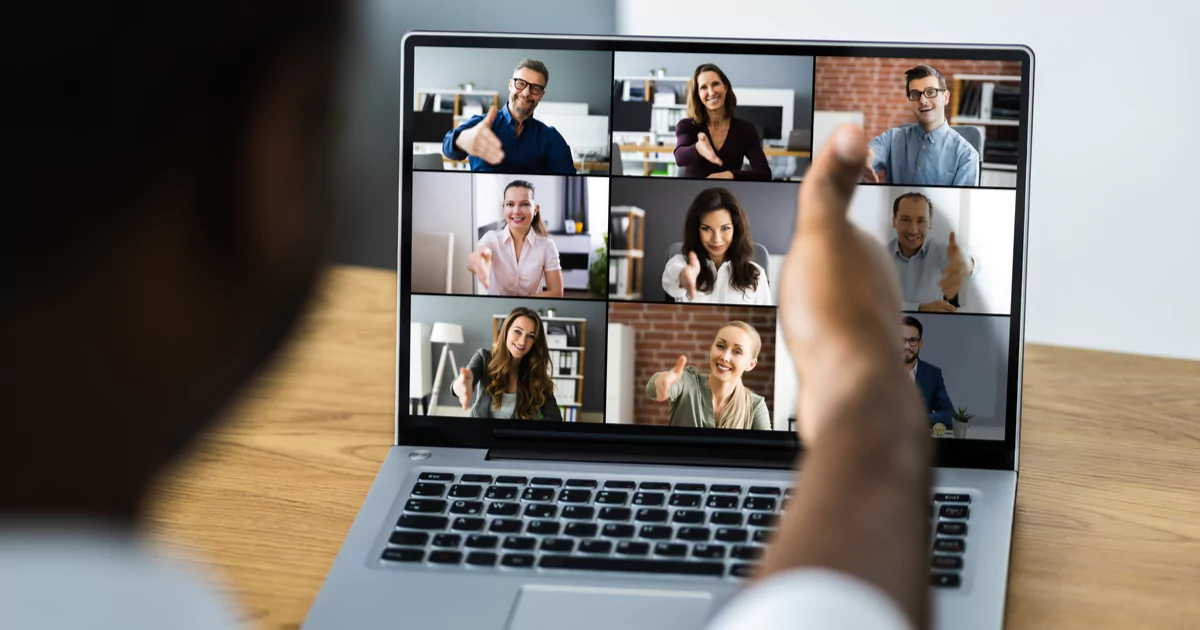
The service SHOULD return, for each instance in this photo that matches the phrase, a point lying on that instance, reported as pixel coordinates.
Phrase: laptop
(587, 501)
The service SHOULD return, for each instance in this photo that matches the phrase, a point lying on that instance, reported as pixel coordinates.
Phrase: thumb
(486, 253)
(952, 242)
(466, 374)
(830, 182)
(693, 260)
(491, 116)
(702, 136)
(678, 369)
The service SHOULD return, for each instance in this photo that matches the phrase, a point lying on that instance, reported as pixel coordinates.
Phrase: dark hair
(741, 248)
(534, 386)
(911, 195)
(537, 225)
(536, 66)
(909, 320)
(695, 107)
(920, 72)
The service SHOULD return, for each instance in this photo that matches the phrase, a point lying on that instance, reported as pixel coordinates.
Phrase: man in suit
(927, 376)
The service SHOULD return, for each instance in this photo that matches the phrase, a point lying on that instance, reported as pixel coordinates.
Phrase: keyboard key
(613, 530)
(760, 519)
(543, 528)
(950, 545)
(403, 555)
(460, 491)
(519, 543)
(504, 509)
(538, 494)
(595, 546)
(746, 552)
(632, 565)
(409, 539)
(477, 478)
(655, 485)
(425, 506)
(545, 481)
(656, 532)
(685, 500)
(615, 514)
(762, 536)
(620, 485)
(501, 493)
(767, 490)
(467, 508)
(421, 521)
(649, 498)
(671, 550)
(726, 488)
(581, 483)
(579, 512)
(709, 552)
(481, 558)
(482, 541)
(691, 517)
(951, 528)
(558, 545)
(511, 480)
(468, 524)
(701, 534)
(436, 476)
(423, 489)
(952, 498)
(729, 534)
(954, 511)
(517, 560)
(575, 496)
(741, 570)
(945, 580)
(947, 563)
(581, 530)
(447, 540)
(726, 518)
(630, 548)
(506, 526)
(651, 515)
(612, 497)
(541, 510)
(689, 487)
(764, 504)
(722, 502)
(445, 557)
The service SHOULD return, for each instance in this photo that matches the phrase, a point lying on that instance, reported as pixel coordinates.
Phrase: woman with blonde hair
(719, 399)
(512, 380)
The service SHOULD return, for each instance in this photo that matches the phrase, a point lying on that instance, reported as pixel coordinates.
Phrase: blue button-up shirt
(539, 150)
(915, 157)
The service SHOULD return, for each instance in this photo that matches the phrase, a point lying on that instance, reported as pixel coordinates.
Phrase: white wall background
(1113, 261)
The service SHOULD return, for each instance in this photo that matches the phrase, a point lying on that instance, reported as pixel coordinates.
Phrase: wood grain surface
(1107, 531)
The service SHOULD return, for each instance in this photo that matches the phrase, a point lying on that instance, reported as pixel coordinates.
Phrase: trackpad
(549, 607)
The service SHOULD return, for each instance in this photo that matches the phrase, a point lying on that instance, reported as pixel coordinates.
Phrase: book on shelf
(618, 231)
(569, 414)
(564, 391)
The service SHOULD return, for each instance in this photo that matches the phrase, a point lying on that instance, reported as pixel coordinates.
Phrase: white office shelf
(625, 296)
(563, 375)
(999, 122)
(996, 166)
(986, 77)
(628, 253)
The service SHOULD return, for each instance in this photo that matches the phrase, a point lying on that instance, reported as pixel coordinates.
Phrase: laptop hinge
(649, 455)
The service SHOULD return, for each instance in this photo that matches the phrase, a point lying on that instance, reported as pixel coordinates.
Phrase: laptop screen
(594, 230)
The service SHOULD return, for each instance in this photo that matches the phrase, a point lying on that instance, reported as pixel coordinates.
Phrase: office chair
(427, 162)
(761, 256)
(974, 136)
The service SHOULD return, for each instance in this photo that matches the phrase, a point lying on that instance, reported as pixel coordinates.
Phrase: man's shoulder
(897, 132)
(928, 369)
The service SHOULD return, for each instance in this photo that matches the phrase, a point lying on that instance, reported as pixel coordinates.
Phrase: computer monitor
(431, 126)
(767, 120)
(632, 116)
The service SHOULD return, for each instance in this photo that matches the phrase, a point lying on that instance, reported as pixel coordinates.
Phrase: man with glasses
(511, 140)
(927, 152)
(931, 273)
(926, 376)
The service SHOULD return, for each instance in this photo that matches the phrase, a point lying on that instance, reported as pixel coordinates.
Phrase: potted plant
(962, 422)
(598, 273)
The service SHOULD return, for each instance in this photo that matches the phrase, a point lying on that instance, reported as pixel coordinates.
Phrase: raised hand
(480, 142)
(482, 267)
(467, 387)
(687, 277)
(869, 174)
(705, 149)
(665, 380)
(955, 273)
(721, 175)
(938, 306)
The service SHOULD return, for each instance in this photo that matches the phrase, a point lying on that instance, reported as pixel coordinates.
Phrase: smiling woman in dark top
(711, 142)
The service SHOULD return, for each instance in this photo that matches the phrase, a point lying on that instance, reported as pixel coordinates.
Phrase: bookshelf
(993, 103)
(567, 338)
(626, 252)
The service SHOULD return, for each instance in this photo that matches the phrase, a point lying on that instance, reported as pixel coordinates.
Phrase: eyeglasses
(930, 92)
(911, 341)
(534, 88)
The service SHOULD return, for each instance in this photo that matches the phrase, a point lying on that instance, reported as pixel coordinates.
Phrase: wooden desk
(670, 148)
(1107, 531)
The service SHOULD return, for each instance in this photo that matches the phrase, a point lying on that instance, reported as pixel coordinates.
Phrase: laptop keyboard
(586, 524)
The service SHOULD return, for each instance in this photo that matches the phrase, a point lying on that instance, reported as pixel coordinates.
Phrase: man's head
(911, 337)
(169, 210)
(912, 216)
(527, 87)
(927, 95)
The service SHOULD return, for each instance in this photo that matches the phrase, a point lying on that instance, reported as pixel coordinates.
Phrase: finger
(678, 369)
(693, 260)
(718, 161)
(491, 116)
(953, 244)
(827, 188)
(493, 157)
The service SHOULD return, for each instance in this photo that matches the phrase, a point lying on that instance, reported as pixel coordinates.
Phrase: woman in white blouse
(518, 259)
(715, 264)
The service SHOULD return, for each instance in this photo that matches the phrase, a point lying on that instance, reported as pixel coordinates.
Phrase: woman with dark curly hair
(512, 380)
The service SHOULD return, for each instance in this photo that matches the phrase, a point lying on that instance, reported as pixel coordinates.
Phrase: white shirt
(912, 374)
(810, 599)
(539, 254)
(722, 292)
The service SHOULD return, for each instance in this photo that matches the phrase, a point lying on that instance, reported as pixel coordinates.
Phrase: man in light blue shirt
(927, 152)
(931, 272)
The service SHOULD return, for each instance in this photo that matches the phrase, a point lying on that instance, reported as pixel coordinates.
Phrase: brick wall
(875, 86)
(665, 331)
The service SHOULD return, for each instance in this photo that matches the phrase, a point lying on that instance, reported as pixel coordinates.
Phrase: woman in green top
(512, 380)
(720, 399)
